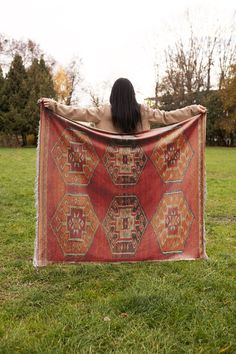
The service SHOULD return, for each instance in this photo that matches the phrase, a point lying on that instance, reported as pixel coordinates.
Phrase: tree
(1, 78)
(40, 84)
(197, 64)
(97, 94)
(184, 71)
(62, 85)
(27, 49)
(96, 101)
(215, 117)
(226, 51)
(211, 42)
(73, 73)
(228, 95)
(2, 81)
(67, 80)
(14, 99)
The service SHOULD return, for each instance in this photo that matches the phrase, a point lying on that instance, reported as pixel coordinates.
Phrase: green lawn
(176, 307)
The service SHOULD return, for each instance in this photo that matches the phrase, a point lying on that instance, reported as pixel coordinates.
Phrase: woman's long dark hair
(125, 109)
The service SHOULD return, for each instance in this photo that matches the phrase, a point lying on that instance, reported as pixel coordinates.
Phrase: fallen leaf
(124, 314)
(106, 319)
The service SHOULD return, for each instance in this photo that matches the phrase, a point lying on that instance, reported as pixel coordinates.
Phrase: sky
(122, 38)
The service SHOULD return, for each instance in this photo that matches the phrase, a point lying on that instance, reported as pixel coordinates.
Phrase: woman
(124, 114)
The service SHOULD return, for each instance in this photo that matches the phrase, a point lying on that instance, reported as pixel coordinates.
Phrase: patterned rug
(106, 197)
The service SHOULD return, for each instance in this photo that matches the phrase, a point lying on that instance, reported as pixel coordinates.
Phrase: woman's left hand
(201, 109)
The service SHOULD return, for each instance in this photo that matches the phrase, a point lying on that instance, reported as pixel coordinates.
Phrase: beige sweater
(102, 118)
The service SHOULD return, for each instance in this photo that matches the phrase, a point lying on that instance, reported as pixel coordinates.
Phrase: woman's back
(101, 116)
(124, 114)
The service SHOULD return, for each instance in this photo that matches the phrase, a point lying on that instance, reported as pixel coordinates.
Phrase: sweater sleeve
(92, 114)
(170, 117)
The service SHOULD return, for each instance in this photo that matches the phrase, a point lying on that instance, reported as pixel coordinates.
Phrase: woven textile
(106, 197)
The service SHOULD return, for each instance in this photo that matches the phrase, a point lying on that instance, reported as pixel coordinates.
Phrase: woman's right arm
(175, 116)
(75, 113)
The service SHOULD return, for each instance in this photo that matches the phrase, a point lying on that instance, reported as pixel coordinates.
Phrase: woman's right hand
(47, 102)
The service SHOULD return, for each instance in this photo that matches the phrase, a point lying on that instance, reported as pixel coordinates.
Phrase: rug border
(204, 189)
(36, 195)
(40, 251)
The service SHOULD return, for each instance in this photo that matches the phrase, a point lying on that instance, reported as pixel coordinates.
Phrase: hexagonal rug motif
(171, 157)
(124, 163)
(124, 225)
(172, 222)
(75, 157)
(74, 224)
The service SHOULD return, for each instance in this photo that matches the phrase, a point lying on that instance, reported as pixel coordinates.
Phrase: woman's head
(125, 109)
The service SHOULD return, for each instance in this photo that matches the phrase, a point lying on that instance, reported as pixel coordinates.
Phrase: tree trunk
(24, 139)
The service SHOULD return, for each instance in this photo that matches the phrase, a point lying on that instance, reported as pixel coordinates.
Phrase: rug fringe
(205, 193)
(36, 200)
(204, 213)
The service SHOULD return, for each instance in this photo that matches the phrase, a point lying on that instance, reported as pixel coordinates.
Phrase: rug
(107, 197)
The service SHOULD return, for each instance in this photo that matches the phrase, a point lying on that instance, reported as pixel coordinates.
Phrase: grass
(177, 307)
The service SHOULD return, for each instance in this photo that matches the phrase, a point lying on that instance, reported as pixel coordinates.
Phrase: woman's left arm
(180, 114)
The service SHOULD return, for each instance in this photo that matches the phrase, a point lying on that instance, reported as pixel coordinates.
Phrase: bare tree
(75, 78)
(191, 65)
(156, 85)
(97, 95)
(185, 68)
(196, 64)
(226, 52)
(27, 49)
(94, 99)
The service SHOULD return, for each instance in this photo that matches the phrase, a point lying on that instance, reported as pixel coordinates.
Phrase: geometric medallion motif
(75, 157)
(124, 225)
(124, 163)
(75, 224)
(171, 157)
(172, 222)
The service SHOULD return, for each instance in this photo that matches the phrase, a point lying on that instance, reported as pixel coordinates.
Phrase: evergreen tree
(40, 84)
(216, 115)
(14, 99)
(1, 79)
(1, 103)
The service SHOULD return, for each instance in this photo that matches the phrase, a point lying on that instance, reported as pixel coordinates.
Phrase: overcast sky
(113, 38)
